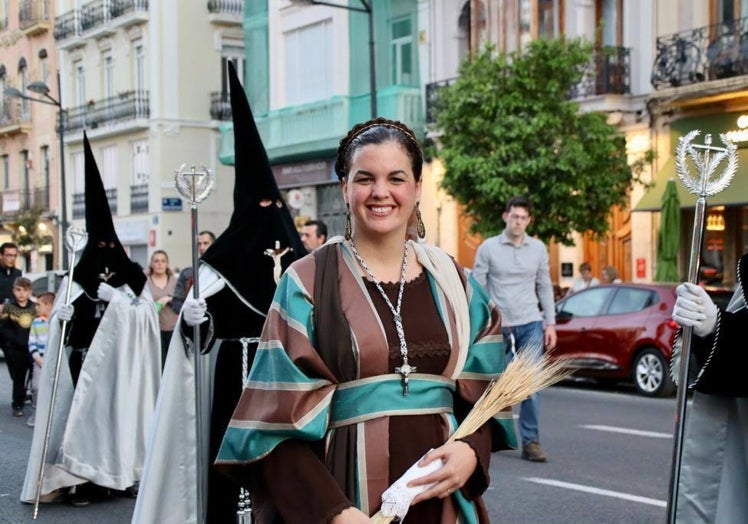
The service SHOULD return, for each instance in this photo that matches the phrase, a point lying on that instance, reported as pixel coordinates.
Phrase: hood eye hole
(265, 202)
(101, 244)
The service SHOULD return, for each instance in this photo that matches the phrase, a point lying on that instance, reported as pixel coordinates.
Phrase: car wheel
(651, 374)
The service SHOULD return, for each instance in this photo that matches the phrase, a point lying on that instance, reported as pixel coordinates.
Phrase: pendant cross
(405, 370)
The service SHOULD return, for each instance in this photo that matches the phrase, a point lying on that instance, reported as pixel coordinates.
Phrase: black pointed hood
(103, 253)
(238, 254)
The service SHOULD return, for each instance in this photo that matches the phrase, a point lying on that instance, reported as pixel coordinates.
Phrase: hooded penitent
(103, 258)
(260, 219)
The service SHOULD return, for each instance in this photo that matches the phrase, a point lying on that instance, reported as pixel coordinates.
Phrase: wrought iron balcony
(66, 25)
(139, 198)
(33, 13)
(14, 117)
(608, 73)
(220, 106)
(432, 98)
(702, 54)
(94, 14)
(40, 198)
(123, 7)
(226, 7)
(126, 106)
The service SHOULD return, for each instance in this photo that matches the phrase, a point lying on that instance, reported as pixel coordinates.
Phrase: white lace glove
(193, 311)
(65, 312)
(105, 292)
(693, 307)
(397, 498)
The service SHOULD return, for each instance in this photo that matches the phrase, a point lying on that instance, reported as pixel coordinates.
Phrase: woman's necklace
(405, 369)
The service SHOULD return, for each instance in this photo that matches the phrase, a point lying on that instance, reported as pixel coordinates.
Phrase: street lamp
(368, 9)
(40, 88)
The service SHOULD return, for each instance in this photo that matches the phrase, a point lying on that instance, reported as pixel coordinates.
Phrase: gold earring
(420, 227)
(348, 230)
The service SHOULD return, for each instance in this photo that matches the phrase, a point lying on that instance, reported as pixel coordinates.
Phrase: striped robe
(293, 394)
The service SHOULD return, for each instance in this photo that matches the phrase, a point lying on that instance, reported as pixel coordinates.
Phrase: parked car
(622, 332)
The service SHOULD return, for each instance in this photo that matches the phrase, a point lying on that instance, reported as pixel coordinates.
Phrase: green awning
(736, 193)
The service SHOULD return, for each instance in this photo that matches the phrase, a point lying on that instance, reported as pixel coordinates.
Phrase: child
(38, 343)
(15, 321)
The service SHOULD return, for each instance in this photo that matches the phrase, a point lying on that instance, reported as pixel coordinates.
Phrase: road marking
(627, 431)
(598, 491)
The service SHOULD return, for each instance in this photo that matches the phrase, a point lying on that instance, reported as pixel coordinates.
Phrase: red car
(619, 332)
(622, 332)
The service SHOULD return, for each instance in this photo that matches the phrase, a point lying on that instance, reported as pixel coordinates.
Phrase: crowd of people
(317, 354)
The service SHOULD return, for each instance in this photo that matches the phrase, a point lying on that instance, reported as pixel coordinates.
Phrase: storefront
(726, 227)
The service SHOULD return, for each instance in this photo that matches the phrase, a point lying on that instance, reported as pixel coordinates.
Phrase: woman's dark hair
(378, 131)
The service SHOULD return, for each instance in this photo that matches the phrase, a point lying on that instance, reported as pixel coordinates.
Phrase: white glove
(695, 308)
(193, 311)
(397, 498)
(65, 312)
(105, 292)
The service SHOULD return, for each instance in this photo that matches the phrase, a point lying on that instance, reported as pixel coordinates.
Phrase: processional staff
(75, 241)
(705, 182)
(194, 185)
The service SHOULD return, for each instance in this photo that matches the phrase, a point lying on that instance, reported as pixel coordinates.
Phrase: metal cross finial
(193, 184)
(706, 158)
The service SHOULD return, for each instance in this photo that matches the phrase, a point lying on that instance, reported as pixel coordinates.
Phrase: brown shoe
(534, 453)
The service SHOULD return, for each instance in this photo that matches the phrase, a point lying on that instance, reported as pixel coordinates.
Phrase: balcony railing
(14, 117)
(95, 15)
(139, 198)
(226, 7)
(220, 106)
(79, 205)
(608, 73)
(432, 98)
(131, 105)
(31, 13)
(40, 197)
(702, 54)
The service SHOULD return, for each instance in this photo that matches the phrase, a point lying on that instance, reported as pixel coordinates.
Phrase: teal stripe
(293, 301)
(273, 365)
(368, 399)
(250, 444)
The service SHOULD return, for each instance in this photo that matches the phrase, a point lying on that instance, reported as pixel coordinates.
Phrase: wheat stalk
(524, 376)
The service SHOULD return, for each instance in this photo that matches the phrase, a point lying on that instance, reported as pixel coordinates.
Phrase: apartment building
(145, 81)
(29, 148)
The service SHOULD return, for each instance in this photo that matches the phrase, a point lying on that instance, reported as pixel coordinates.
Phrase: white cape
(168, 489)
(99, 428)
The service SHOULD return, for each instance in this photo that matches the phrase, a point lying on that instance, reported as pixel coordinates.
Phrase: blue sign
(171, 204)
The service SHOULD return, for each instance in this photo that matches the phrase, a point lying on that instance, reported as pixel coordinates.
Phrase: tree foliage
(28, 235)
(510, 128)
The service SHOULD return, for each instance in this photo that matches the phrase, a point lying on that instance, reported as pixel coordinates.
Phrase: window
(4, 106)
(109, 165)
(44, 155)
(587, 304)
(402, 51)
(6, 172)
(80, 82)
(108, 75)
(24, 82)
(43, 63)
(236, 56)
(525, 23)
(728, 10)
(140, 163)
(79, 177)
(631, 300)
(139, 65)
(548, 18)
(309, 63)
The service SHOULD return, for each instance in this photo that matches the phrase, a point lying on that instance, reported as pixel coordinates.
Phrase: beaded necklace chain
(405, 369)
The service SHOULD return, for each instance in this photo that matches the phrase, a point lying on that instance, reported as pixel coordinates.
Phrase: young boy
(38, 343)
(15, 322)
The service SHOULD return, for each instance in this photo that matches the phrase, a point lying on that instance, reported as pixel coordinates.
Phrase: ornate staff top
(75, 238)
(193, 184)
(706, 181)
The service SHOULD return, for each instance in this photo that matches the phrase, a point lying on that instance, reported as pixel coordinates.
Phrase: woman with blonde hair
(609, 275)
(161, 283)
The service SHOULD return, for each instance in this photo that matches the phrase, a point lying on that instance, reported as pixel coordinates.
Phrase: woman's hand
(459, 464)
(164, 300)
(351, 514)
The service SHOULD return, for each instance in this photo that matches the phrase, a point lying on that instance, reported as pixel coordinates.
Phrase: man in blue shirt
(513, 268)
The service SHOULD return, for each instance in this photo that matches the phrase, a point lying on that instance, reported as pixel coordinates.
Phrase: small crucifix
(405, 370)
(276, 254)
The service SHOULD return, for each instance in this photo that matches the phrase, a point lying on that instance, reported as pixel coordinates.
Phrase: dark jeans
(19, 365)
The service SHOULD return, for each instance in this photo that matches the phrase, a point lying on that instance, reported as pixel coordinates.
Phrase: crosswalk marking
(597, 491)
(628, 431)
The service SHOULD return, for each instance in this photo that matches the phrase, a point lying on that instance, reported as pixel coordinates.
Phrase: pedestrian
(38, 344)
(513, 268)
(161, 283)
(584, 280)
(184, 282)
(109, 378)
(714, 472)
(8, 271)
(236, 288)
(16, 320)
(313, 234)
(348, 325)
(609, 275)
